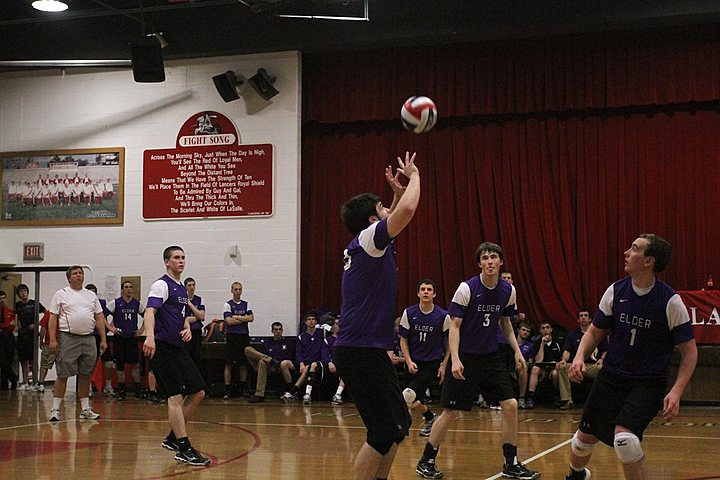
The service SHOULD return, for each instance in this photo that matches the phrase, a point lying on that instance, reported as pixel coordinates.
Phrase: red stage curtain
(561, 152)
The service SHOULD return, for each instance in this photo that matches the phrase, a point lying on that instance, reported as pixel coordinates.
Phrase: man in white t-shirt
(78, 313)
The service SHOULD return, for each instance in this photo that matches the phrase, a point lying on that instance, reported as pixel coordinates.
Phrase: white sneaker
(336, 400)
(55, 415)
(88, 414)
(41, 387)
(288, 398)
(307, 400)
(23, 387)
(108, 391)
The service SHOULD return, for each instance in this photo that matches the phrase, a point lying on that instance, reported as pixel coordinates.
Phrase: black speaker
(147, 61)
(262, 83)
(226, 84)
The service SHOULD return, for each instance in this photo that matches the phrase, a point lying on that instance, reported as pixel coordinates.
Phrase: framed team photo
(62, 187)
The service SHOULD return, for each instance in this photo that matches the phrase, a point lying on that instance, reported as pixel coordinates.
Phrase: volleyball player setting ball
(418, 114)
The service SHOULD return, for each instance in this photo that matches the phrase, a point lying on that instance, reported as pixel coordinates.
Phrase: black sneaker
(519, 471)
(256, 399)
(192, 457)
(584, 475)
(427, 470)
(120, 394)
(170, 444)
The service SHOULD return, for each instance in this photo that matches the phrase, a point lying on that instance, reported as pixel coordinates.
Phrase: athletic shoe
(427, 469)
(584, 475)
(425, 432)
(226, 396)
(522, 404)
(289, 398)
(38, 387)
(22, 386)
(566, 405)
(55, 415)
(169, 444)
(530, 403)
(256, 399)
(108, 391)
(519, 471)
(192, 457)
(336, 400)
(495, 407)
(307, 400)
(88, 414)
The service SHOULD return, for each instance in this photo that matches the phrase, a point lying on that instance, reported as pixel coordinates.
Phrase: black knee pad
(380, 446)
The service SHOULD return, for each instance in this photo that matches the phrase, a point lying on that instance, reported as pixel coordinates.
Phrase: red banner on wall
(704, 309)
(208, 174)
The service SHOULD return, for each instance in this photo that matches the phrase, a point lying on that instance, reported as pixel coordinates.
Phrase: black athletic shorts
(614, 400)
(25, 345)
(419, 382)
(484, 374)
(235, 348)
(175, 371)
(125, 350)
(107, 355)
(373, 383)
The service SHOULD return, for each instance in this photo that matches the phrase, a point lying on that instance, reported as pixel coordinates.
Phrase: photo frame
(62, 187)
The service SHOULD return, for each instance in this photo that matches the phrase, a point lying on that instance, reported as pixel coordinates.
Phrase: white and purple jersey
(480, 308)
(237, 308)
(197, 302)
(645, 325)
(308, 348)
(425, 332)
(369, 290)
(169, 298)
(125, 315)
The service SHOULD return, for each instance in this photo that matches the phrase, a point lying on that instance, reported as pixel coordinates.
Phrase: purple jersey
(125, 315)
(239, 308)
(645, 325)
(169, 298)
(327, 350)
(369, 290)
(425, 332)
(279, 350)
(197, 302)
(528, 349)
(480, 308)
(572, 342)
(308, 348)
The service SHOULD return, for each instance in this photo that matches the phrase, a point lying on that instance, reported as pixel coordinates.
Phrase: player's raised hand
(394, 181)
(407, 167)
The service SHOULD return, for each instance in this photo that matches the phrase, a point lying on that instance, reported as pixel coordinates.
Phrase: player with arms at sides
(166, 329)
(480, 306)
(424, 345)
(368, 314)
(647, 321)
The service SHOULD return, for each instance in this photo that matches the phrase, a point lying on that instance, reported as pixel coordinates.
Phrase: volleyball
(418, 114)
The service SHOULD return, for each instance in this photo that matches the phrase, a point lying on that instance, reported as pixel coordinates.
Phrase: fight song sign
(208, 174)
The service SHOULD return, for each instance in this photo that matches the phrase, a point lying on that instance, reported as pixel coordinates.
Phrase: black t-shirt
(26, 314)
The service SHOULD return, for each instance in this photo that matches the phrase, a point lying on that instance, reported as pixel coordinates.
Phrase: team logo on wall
(207, 128)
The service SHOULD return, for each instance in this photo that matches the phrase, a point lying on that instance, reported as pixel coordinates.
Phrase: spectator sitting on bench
(308, 355)
(327, 356)
(546, 359)
(528, 348)
(593, 363)
(276, 358)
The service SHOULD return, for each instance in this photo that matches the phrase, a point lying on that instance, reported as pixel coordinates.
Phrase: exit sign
(33, 251)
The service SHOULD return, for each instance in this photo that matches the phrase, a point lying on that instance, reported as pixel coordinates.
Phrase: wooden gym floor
(276, 441)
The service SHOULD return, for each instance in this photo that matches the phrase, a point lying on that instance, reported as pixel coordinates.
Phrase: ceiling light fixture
(50, 5)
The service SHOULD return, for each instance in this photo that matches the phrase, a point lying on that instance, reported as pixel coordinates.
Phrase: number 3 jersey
(645, 325)
(425, 332)
(481, 307)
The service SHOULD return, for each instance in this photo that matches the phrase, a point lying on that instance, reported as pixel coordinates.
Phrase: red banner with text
(208, 174)
(704, 308)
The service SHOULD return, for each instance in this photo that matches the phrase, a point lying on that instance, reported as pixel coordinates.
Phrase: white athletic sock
(84, 403)
(57, 402)
(339, 390)
(308, 390)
